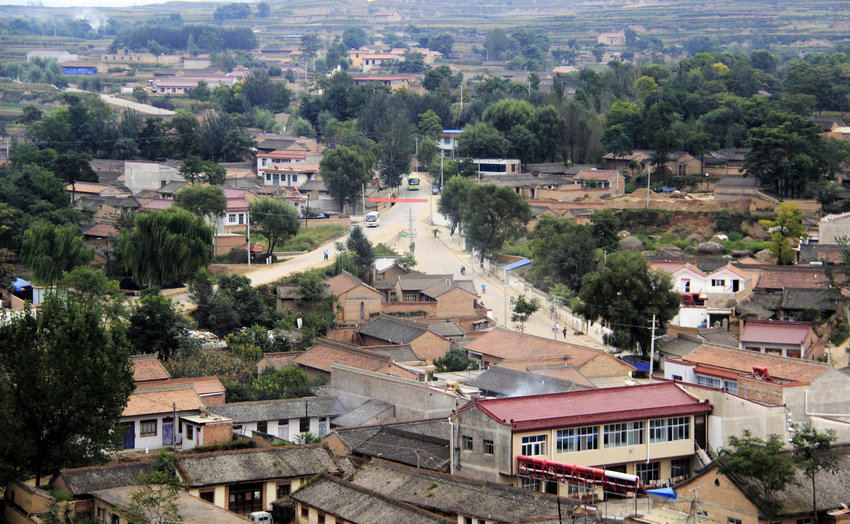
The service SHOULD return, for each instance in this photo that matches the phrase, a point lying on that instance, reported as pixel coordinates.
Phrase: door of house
(129, 435)
(699, 430)
(246, 498)
(168, 431)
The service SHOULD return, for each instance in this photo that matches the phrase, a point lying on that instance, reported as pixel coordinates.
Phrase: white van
(260, 517)
(372, 219)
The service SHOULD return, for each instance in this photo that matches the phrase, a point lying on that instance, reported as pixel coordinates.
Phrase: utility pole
(411, 233)
(363, 198)
(248, 235)
(652, 350)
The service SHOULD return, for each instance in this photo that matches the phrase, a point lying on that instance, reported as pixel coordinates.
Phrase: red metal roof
(594, 406)
(775, 332)
(716, 372)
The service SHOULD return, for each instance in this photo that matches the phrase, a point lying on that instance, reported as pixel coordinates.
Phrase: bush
(839, 336)
(223, 446)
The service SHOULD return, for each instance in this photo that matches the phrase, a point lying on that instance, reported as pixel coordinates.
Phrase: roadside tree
(50, 250)
(345, 171)
(493, 215)
(276, 219)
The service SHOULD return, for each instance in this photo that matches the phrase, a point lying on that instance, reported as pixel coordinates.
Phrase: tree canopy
(625, 293)
(204, 201)
(64, 382)
(492, 215)
(50, 250)
(345, 171)
(275, 218)
(164, 246)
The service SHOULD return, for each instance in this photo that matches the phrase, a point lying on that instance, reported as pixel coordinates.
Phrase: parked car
(435, 190)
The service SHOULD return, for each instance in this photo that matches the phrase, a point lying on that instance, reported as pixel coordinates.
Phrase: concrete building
(650, 431)
(141, 175)
(833, 227)
(284, 418)
(794, 339)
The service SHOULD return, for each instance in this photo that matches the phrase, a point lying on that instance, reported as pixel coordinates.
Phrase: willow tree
(50, 250)
(164, 246)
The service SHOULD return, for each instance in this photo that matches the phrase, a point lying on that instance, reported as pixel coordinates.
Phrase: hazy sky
(86, 3)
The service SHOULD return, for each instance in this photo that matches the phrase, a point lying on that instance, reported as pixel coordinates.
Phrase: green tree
(94, 286)
(64, 382)
(814, 452)
(354, 37)
(481, 140)
(453, 360)
(523, 309)
(276, 219)
(287, 382)
(625, 294)
(205, 201)
(604, 226)
(493, 215)
(153, 499)
(767, 469)
(73, 167)
(140, 94)
(562, 252)
(50, 250)
(787, 227)
(453, 199)
(395, 148)
(201, 92)
(194, 169)
(361, 248)
(345, 171)
(156, 326)
(263, 10)
(164, 246)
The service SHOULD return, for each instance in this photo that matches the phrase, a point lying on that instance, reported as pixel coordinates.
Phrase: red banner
(398, 200)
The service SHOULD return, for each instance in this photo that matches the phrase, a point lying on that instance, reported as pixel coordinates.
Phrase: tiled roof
(278, 360)
(326, 352)
(776, 277)
(508, 382)
(511, 345)
(157, 204)
(351, 503)
(245, 412)
(593, 406)
(393, 330)
(148, 367)
(552, 367)
(458, 496)
(446, 329)
(743, 361)
(192, 509)
(596, 175)
(161, 399)
(423, 443)
(420, 281)
(247, 465)
(343, 282)
(362, 414)
(82, 481)
(102, 231)
(775, 332)
(203, 385)
(398, 353)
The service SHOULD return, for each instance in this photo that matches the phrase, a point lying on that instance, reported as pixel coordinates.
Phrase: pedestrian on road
(326, 254)
(565, 332)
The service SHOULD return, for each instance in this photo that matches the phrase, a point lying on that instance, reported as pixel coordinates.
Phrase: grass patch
(381, 250)
(311, 238)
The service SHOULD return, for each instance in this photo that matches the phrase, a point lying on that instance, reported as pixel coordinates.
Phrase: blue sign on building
(76, 70)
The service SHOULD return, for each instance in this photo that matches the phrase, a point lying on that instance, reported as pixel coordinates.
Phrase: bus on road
(372, 219)
(413, 182)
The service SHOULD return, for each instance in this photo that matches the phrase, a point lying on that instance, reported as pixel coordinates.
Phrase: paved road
(141, 108)
(434, 254)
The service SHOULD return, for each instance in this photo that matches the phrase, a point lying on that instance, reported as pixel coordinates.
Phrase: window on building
(488, 447)
(116, 519)
(669, 429)
(577, 439)
(730, 386)
(531, 484)
(466, 442)
(263, 426)
(294, 179)
(709, 381)
(190, 431)
(534, 445)
(304, 425)
(804, 521)
(241, 218)
(677, 377)
(283, 490)
(648, 472)
(101, 514)
(209, 496)
(467, 520)
(625, 434)
(410, 296)
(305, 511)
(680, 467)
(718, 282)
(321, 518)
(231, 218)
(732, 520)
(147, 428)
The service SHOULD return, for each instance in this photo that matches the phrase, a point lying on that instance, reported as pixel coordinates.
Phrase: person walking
(326, 254)
(565, 332)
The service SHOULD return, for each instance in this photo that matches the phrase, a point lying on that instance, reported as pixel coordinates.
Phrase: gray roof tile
(244, 412)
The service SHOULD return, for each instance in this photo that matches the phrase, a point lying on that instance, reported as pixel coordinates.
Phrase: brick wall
(351, 301)
(429, 308)
(225, 243)
(218, 432)
(455, 303)
(430, 346)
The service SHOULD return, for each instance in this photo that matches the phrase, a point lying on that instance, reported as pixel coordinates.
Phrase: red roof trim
(716, 372)
(615, 416)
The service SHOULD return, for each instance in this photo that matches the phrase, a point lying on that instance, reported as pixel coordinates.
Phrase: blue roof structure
(518, 263)
(20, 284)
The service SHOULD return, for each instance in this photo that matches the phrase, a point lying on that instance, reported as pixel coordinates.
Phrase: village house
(148, 418)
(283, 418)
(463, 500)
(147, 368)
(612, 181)
(580, 365)
(786, 338)
(431, 296)
(80, 483)
(110, 505)
(417, 443)
(357, 302)
(249, 480)
(393, 330)
(386, 359)
(334, 501)
(650, 431)
(142, 175)
(812, 392)
(726, 498)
